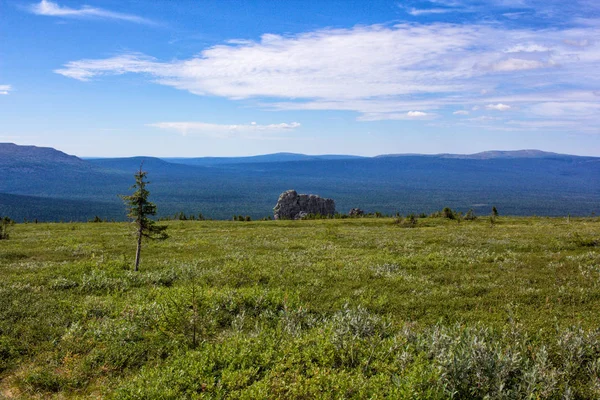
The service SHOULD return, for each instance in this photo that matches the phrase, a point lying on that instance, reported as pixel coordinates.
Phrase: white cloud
(546, 124)
(515, 15)
(461, 112)
(318, 65)
(484, 118)
(5, 89)
(381, 72)
(566, 109)
(528, 48)
(424, 11)
(577, 43)
(410, 115)
(225, 130)
(498, 107)
(518, 64)
(132, 63)
(51, 9)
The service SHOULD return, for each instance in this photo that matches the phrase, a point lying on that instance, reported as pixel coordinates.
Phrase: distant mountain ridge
(265, 158)
(10, 153)
(47, 184)
(284, 157)
(492, 154)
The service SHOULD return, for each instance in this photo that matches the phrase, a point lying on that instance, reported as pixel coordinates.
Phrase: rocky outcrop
(292, 205)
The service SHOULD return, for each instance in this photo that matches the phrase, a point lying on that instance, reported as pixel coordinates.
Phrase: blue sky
(230, 78)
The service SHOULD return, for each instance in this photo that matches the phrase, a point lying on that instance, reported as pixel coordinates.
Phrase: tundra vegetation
(335, 308)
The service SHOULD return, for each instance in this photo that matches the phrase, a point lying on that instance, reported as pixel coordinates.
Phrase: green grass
(353, 308)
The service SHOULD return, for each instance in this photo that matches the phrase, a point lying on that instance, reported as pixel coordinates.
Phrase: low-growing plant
(63, 284)
(581, 241)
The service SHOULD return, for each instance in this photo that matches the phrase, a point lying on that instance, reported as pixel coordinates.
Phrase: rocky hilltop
(292, 205)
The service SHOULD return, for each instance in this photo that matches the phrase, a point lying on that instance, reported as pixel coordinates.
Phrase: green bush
(5, 224)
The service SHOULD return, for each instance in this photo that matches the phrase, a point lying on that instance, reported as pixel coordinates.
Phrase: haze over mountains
(49, 185)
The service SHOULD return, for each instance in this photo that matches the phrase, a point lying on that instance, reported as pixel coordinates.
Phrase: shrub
(63, 284)
(5, 224)
(584, 241)
(410, 221)
(470, 216)
(447, 212)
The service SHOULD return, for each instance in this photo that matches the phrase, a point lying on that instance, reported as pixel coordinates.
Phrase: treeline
(181, 216)
(446, 212)
(355, 213)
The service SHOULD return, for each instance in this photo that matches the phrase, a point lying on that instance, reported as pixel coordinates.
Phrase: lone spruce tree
(139, 210)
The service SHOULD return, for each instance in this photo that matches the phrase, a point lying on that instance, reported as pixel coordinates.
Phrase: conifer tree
(139, 209)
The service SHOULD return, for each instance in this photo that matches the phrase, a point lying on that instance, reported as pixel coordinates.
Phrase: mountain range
(49, 185)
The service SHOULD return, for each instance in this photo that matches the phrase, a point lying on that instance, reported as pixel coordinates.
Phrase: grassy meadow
(348, 308)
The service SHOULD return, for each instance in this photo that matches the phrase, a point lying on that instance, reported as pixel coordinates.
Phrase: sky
(117, 78)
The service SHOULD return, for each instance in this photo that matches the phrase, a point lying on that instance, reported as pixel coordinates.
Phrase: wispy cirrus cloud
(519, 64)
(410, 115)
(48, 8)
(383, 72)
(425, 11)
(5, 89)
(251, 130)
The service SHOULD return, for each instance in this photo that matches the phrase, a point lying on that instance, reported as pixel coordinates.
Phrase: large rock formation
(292, 205)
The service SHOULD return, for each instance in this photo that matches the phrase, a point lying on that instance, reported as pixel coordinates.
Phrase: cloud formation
(424, 11)
(223, 130)
(408, 116)
(5, 89)
(416, 114)
(48, 8)
(383, 72)
(498, 107)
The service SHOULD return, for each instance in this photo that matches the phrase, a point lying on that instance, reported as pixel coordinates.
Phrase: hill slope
(29, 157)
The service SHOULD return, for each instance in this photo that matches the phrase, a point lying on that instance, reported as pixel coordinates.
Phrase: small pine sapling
(139, 209)
(493, 216)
